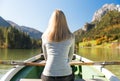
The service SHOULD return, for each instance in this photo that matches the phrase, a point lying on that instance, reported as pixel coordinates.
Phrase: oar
(71, 63)
(95, 63)
(23, 63)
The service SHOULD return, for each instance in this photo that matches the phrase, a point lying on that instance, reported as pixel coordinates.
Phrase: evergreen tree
(2, 39)
(11, 37)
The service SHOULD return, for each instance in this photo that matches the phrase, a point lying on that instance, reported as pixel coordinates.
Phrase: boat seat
(41, 80)
(30, 80)
(75, 80)
(89, 80)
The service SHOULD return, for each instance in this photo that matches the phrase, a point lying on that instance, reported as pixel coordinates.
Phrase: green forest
(10, 37)
(106, 30)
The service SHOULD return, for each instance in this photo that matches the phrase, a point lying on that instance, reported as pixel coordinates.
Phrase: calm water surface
(103, 54)
(15, 54)
(95, 54)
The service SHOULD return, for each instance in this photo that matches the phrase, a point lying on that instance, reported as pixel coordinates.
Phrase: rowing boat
(84, 70)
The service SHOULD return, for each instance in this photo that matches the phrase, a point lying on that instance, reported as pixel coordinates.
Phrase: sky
(36, 13)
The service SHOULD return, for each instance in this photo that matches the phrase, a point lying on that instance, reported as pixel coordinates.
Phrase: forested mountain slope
(106, 29)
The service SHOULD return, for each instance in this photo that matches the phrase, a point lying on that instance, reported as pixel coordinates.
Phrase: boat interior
(75, 80)
(33, 73)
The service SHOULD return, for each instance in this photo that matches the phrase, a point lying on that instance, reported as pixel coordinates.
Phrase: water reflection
(15, 54)
(100, 54)
(103, 54)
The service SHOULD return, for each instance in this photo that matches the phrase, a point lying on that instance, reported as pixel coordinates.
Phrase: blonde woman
(58, 48)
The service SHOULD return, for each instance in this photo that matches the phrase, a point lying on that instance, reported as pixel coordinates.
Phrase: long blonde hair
(57, 28)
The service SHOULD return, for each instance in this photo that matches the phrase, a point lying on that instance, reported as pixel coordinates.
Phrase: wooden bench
(75, 80)
(41, 80)
(30, 80)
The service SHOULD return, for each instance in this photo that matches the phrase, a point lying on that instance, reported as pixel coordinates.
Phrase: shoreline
(92, 44)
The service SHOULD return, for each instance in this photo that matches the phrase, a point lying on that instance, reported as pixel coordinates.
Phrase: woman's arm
(44, 51)
(71, 51)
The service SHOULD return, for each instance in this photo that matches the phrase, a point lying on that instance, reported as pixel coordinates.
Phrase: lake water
(95, 54)
(103, 54)
(15, 54)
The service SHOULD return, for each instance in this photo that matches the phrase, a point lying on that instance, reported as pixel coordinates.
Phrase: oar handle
(81, 63)
(34, 64)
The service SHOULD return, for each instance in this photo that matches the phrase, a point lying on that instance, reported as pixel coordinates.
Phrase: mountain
(4, 23)
(102, 11)
(13, 24)
(32, 32)
(88, 26)
(35, 34)
(104, 26)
